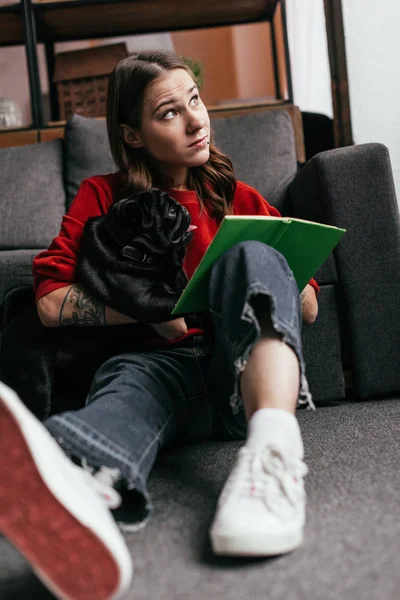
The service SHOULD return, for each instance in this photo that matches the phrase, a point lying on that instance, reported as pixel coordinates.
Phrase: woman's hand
(309, 304)
(171, 330)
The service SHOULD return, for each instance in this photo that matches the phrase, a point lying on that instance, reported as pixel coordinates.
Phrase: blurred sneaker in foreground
(51, 513)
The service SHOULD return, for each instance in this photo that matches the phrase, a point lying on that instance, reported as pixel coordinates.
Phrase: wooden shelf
(90, 19)
(62, 21)
(11, 28)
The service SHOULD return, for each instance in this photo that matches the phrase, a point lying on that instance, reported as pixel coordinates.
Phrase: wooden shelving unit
(90, 19)
(28, 24)
(11, 25)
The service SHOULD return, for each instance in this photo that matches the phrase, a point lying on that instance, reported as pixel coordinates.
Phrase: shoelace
(272, 475)
(102, 483)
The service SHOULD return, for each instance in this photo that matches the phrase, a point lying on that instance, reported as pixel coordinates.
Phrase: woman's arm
(71, 305)
(309, 304)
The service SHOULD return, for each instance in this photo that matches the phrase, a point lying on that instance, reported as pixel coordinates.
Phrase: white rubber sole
(51, 514)
(262, 544)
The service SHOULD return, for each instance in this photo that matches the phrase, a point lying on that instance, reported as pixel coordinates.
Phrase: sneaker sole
(225, 545)
(70, 559)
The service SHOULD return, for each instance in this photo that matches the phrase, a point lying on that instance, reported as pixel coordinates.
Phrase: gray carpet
(352, 546)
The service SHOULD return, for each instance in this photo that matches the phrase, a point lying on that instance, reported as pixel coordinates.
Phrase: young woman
(240, 376)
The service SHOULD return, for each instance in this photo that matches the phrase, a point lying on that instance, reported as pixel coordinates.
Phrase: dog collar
(135, 254)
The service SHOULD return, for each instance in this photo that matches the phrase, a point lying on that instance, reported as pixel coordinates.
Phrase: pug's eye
(172, 212)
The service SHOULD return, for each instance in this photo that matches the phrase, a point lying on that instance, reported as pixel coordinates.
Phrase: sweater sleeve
(54, 268)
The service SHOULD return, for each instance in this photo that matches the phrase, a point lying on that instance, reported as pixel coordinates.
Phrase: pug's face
(152, 222)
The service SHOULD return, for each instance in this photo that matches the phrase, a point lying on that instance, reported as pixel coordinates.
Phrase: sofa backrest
(262, 149)
(260, 145)
(32, 195)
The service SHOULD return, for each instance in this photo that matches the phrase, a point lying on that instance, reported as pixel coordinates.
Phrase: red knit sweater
(55, 268)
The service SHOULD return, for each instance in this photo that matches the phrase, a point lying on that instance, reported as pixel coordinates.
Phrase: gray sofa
(353, 513)
(357, 331)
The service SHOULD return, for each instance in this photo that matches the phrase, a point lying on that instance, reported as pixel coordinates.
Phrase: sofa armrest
(353, 188)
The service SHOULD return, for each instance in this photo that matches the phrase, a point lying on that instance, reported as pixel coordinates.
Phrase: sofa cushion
(262, 149)
(87, 152)
(327, 273)
(322, 350)
(15, 269)
(260, 145)
(32, 194)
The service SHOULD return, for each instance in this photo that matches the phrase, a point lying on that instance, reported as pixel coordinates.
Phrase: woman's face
(175, 126)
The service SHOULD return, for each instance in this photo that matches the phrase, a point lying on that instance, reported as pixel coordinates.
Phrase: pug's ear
(131, 136)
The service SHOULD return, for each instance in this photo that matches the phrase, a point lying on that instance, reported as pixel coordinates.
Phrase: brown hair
(214, 182)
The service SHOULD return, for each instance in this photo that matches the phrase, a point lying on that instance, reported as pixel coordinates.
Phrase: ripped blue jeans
(190, 392)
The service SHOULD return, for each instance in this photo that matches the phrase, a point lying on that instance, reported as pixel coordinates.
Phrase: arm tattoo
(86, 310)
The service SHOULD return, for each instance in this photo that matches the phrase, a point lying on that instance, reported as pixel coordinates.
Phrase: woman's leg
(255, 305)
(138, 403)
(271, 378)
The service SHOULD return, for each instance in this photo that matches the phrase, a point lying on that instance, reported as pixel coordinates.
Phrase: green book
(304, 244)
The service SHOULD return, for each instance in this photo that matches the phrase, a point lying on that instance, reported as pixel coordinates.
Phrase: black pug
(132, 257)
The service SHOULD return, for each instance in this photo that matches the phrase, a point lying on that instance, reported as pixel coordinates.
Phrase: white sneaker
(261, 511)
(50, 512)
